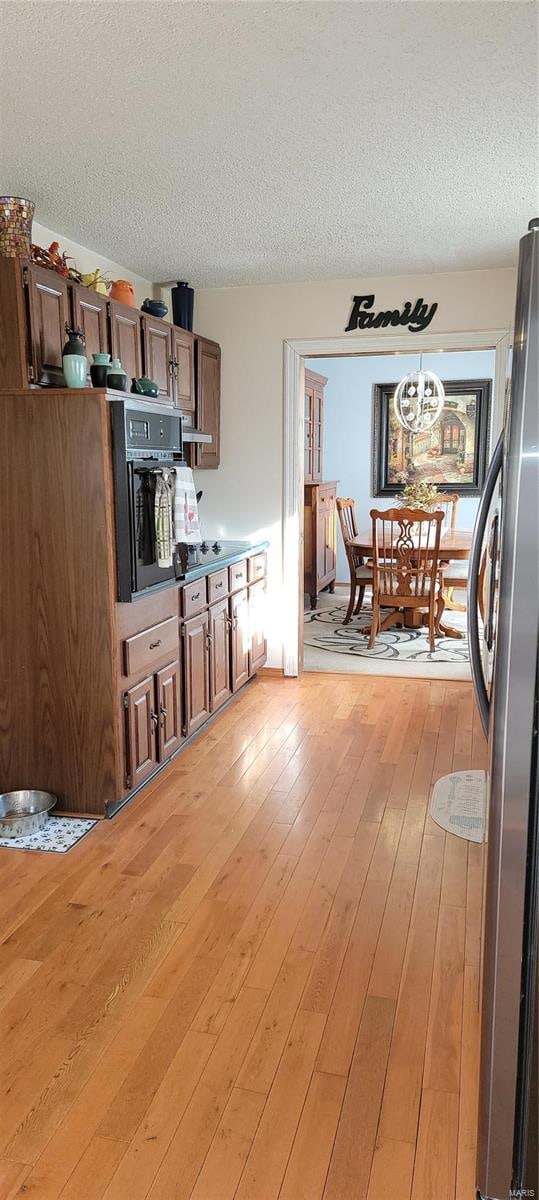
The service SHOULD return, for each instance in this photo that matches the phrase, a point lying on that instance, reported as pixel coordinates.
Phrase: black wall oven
(146, 441)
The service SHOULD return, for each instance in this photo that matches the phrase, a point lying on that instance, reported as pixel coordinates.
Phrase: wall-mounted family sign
(416, 317)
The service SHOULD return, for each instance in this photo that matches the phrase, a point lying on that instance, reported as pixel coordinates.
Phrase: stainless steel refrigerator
(507, 696)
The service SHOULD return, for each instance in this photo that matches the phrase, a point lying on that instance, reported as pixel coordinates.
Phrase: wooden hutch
(319, 523)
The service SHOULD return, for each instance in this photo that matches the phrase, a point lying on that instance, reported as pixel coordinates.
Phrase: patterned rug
(395, 647)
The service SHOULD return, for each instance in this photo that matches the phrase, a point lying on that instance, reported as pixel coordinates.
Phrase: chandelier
(419, 400)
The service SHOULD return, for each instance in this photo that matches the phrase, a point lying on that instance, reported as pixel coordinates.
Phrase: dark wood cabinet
(208, 401)
(141, 726)
(89, 312)
(219, 633)
(157, 356)
(320, 538)
(258, 646)
(239, 639)
(314, 425)
(169, 709)
(196, 675)
(48, 305)
(183, 358)
(125, 338)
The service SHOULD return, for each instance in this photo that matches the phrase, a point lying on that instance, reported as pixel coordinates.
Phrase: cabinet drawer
(193, 597)
(327, 495)
(217, 585)
(146, 650)
(257, 566)
(237, 575)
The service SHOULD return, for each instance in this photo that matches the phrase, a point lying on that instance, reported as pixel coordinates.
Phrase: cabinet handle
(236, 620)
(154, 645)
(218, 585)
(154, 719)
(229, 622)
(163, 715)
(171, 366)
(195, 595)
(209, 640)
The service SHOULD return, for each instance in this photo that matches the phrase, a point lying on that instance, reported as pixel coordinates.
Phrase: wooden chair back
(448, 502)
(346, 509)
(406, 546)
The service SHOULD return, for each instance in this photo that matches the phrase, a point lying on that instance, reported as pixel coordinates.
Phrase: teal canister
(74, 360)
(100, 369)
(116, 376)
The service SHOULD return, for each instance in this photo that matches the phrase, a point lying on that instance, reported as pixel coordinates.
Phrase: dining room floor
(330, 645)
(261, 978)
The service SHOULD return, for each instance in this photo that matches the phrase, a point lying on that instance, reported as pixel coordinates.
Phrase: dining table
(454, 544)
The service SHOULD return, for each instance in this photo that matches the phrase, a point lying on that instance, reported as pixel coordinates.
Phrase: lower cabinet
(258, 646)
(153, 722)
(219, 634)
(196, 674)
(239, 638)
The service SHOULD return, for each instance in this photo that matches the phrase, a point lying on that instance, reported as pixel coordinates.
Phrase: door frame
(352, 345)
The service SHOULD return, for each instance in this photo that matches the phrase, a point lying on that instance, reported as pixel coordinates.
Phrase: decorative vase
(182, 305)
(74, 360)
(123, 291)
(144, 387)
(155, 308)
(99, 369)
(15, 227)
(116, 376)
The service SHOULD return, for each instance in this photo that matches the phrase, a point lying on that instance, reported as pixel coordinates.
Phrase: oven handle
(476, 664)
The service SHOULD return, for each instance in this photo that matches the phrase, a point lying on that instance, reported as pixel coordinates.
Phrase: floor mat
(59, 835)
(459, 804)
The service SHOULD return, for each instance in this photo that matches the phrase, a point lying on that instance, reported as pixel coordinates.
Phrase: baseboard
(271, 671)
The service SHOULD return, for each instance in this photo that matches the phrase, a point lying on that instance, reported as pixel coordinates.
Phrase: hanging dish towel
(164, 518)
(186, 523)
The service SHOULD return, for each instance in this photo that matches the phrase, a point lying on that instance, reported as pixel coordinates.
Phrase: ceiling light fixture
(419, 400)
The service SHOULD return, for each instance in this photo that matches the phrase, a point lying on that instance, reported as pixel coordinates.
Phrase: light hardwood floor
(261, 978)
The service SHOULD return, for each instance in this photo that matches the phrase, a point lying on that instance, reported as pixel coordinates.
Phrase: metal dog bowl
(25, 812)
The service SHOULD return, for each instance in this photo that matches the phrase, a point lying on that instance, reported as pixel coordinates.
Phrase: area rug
(59, 835)
(459, 804)
(331, 646)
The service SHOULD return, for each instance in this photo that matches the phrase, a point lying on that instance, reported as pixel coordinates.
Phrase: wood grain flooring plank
(435, 1160)
(311, 1151)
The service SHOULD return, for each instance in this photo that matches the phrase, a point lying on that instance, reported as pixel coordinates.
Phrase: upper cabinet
(48, 305)
(157, 356)
(183, 360)
(314, 426)
(89, 313)
(208, 402)
(125, 338)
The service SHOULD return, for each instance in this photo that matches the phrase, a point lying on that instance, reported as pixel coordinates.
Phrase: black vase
(98, 374)
(182, 305)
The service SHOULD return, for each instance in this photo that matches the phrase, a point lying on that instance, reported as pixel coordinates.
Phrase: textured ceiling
(257, 142)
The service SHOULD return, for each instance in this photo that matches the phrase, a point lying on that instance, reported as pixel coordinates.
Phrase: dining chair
(360, 575)
(406, 567)
(456, 571)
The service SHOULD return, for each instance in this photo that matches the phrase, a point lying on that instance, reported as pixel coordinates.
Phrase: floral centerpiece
(420, 495)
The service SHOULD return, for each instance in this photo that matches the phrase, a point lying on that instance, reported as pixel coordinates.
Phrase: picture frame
(452, 455)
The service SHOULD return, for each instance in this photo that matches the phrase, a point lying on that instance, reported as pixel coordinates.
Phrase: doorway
(299, 356)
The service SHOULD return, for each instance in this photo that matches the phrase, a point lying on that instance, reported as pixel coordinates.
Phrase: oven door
(145, 570)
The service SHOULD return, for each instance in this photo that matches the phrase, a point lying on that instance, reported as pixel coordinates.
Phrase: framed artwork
(452, 455)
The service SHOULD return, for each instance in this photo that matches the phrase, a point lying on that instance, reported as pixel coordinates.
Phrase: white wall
(87, 260)
(244, 497)
(348, 422)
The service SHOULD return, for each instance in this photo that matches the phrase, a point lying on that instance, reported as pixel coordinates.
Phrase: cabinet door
(308, 425)
(125, 338)
(220, 688)
(239, 656)
(168, 692)
(140, 739)
(258, 646)
(158, 365)
(48, 301)
(317, 435)
(208, 401)
(196, 674)
(90, 315)
(183, 354)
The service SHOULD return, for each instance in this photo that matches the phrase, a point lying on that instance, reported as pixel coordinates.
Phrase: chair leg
(350, 608)
(375, 623)
(361, 594)
(432, 628)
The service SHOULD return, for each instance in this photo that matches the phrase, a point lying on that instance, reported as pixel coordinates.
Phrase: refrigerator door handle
(476, 664)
